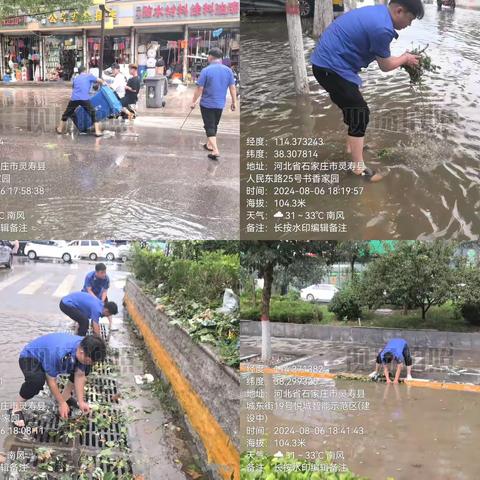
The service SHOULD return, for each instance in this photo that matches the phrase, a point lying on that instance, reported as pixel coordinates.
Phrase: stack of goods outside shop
(22, 58)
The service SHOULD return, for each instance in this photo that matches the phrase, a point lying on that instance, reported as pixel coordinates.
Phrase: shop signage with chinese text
(181, 10)
(72, 18)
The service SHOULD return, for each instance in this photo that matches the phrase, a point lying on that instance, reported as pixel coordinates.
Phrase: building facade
(179, 32)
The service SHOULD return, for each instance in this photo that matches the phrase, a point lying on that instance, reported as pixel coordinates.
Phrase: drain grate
(105, 426)
(101, 390)
(105, 369)
(118, 466)
(47, 429)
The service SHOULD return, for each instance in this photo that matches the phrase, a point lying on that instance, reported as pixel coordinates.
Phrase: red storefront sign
(178, 10)
(13, 21)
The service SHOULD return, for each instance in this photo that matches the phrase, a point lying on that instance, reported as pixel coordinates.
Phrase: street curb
(219, 448)
(462, 387)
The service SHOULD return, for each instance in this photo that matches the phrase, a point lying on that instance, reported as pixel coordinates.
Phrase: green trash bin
(156, 89)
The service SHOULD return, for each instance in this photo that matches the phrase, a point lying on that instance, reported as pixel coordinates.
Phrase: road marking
(34, 286)
(14, 278)
(65, 287)
(298, 360)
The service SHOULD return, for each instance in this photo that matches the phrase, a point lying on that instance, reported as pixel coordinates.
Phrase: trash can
(156, 89)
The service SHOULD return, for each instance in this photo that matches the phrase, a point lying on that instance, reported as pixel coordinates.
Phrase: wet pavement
(29, 298)
(426, 144)
(378, 431)
(439, 364)
(147, 179)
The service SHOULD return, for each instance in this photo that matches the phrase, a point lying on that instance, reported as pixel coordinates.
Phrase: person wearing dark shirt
(131, 92)
(350, 43)
(396, 350)
(81, 98)
(48, 356)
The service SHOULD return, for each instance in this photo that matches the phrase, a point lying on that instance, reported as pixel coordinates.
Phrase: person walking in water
(351, 43)
(81, 98)
(212, 86)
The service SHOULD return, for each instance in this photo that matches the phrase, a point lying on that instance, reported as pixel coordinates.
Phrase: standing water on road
(390, 432)
(427, 143)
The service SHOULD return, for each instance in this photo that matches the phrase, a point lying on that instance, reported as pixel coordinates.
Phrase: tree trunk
(265, 318)
(323, 17)
(424, 311)
(295, 38)
(254, 298)
(352, 266)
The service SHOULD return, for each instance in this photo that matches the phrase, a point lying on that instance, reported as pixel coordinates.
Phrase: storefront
(179, 32)
(62, 54)
(170, 46)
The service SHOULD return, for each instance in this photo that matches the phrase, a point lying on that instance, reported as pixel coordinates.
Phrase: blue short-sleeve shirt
(394, 346)
(215, 80)
(354, 40)
(82, 85)
(98, 285)
(56, 352)
(89, 305)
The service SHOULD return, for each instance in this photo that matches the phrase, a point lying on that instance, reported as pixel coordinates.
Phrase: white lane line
(65, 287)
(11, 280)
(34, 286)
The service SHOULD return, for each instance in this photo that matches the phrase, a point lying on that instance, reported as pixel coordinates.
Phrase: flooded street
(426, 143)
(144, 180)
(394, 431)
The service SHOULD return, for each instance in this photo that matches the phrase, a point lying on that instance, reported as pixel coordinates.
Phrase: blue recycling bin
(106, 104)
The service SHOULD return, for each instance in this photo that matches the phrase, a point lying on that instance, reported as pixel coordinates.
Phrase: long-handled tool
(186, 118)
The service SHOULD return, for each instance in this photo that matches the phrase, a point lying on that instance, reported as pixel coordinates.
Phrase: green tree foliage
(38, 8)
(414, 275)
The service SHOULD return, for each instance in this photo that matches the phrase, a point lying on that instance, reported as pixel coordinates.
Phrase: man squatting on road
(395, 349)
(350, 43)
(48, 356)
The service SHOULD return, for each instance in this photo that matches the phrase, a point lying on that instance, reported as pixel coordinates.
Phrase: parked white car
(50, 249)
(114, 252)
(320, 292)
(92, 249)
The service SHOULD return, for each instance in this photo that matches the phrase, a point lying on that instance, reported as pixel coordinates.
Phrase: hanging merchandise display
(22, 58)
(62, 55)
(116, 50)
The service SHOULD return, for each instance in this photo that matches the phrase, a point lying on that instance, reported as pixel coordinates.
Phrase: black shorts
(74, 104)
(406, 355)
(346, 95)
(211, 119)
(78, 316)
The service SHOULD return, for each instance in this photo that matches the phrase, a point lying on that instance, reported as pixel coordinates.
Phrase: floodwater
(431, 187)
(398, 432)
(147, 179)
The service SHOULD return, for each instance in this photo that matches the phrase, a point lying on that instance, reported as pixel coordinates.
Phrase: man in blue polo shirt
(395, 349)
(51, 355)
(83, 307)
(97, 282)
(351, 43)
(81, 98)
(212, 86)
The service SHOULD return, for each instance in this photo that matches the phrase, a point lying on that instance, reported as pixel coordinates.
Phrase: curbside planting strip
(219, 447)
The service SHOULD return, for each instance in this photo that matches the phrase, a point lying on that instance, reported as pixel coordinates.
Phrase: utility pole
(295, 38)
(102, 39)
(322, 17)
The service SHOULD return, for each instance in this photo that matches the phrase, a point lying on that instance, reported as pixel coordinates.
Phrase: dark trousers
(74, 104)
(35, 377)
(211, 119)
(346, 95)
(76, 315)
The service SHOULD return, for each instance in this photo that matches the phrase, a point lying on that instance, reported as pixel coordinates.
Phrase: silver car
(6, 255)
